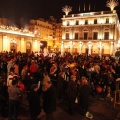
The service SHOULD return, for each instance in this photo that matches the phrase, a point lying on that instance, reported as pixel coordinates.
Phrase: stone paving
(100, 109)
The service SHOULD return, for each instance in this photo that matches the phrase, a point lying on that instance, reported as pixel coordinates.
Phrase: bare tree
(112, 4)
(67, 9)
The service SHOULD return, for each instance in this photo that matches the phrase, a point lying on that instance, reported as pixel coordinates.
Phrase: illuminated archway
(13, 46)
(28, 47)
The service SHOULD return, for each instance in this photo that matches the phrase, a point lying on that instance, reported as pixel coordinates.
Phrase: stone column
(80, 47)
(111, 48)
(6, 44)
(62, 48)
(89, 48)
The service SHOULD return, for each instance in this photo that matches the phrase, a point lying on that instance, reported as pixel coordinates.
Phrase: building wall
(97, 31)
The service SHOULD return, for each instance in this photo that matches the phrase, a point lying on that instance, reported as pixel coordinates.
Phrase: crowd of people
(74, 77)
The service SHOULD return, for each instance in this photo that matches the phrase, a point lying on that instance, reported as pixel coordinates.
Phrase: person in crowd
(49, 99)
(61, 83)
(10, 66)
(46, 76)
(14, 92)
(16, 68)
(10, 78)
(83, 97)
(33, 67)
(72, 94)
(24, 72)
(53, 71)
(3, 98)
(34, 102)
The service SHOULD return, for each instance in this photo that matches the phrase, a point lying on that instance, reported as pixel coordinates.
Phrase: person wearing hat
(34, 102)
(72, 93)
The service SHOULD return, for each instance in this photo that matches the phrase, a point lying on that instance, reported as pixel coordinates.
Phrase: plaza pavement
(101, 110)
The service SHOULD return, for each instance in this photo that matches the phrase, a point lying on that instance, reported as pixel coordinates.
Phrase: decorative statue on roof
(67, 9)
(112, 4)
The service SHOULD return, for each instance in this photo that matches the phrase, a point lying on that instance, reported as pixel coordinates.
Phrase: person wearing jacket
(49, 99)
(83, 98)
(13, 92)
(72, 94)
(34, 102)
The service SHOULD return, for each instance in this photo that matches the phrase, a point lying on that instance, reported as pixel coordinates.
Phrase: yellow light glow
(65, 23)
(71, 37)
(72, 22)
(6, 44)
(111, 20)
(81, 22)
(12, 30)
(91, 21)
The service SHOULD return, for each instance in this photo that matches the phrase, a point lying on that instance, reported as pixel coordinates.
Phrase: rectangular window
(68, 23)
(107, 20)
(86, 22)
(76, 36)
(77, 22)
(95, 21)
(67, 35)
(85, 35)
(95, 35)
(106, 35)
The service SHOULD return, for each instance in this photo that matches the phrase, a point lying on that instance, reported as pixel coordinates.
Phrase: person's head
(15, 78)
(46, 85)
(61, 74)
(11, 72)
(14, 82)
(73, 77)
(45, 74)
(84, 80)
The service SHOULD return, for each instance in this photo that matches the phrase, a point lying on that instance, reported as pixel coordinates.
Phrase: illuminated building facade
(44, 30)
(14, 40)
(92, 33)
(49, 33)
(58, 36)
(36, 36)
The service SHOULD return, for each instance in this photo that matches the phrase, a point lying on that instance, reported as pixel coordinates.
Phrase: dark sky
(27, 9)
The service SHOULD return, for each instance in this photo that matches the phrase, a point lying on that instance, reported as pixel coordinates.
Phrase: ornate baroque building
(92, 33)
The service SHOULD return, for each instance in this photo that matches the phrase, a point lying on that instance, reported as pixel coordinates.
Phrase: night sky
(27, 9)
